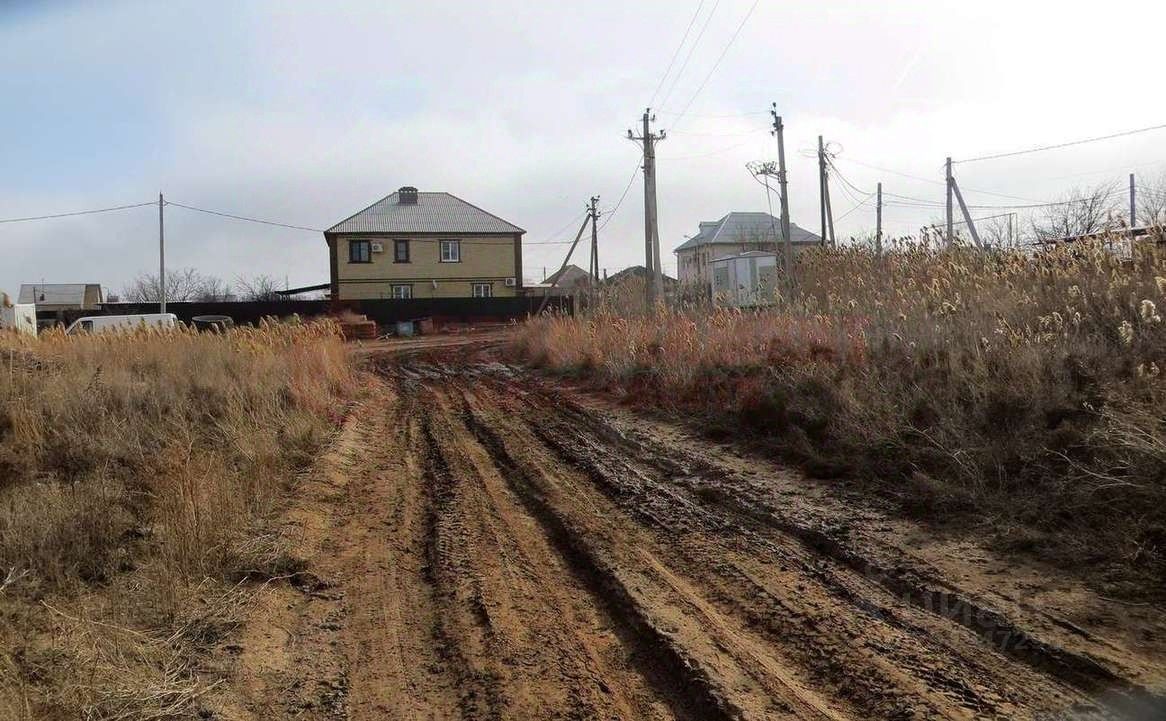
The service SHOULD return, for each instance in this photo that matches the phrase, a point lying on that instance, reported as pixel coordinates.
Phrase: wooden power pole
(593, 271)
(1133, 211)
(655, 284)
(822, 185)
(950, 220)
(161, 257)
(879, 221)
(559, 275)
(779, 131)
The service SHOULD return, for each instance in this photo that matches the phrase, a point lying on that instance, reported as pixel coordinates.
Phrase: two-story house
(734, 233)
(415, 244)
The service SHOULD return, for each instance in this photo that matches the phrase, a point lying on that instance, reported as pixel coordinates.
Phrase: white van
(110, 323)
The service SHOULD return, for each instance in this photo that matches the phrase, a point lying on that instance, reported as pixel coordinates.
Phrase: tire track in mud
(917, 654)
(524, 638)
(499, 551)
(919, 589)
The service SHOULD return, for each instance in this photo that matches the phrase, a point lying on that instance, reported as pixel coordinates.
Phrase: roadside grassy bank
(1018, 393)
(136, 473)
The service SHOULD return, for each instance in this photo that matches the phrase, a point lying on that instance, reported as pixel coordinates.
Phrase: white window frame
(401, 291)
(487, 287)
(451, 251)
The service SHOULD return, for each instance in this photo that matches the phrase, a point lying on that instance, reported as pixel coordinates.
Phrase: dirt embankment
(481, 546)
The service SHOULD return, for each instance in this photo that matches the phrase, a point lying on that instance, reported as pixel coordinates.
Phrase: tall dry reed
(1019, 391)
(135, 472)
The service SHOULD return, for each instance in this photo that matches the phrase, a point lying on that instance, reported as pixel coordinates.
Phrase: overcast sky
(305, 113)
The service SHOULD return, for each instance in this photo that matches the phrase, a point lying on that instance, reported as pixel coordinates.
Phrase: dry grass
(1020, 392)
(135, 473)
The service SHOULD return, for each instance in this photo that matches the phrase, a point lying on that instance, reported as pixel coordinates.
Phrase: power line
(611, 213)
(717, 64)
(710, 153)
(243, 217)
(723, 116)
(1061, 145)
(688, 55)
(76, 213)
(675, 53)
(937, 182)
(861, 203)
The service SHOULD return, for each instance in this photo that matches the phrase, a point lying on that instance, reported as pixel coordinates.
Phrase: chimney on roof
(407, 195)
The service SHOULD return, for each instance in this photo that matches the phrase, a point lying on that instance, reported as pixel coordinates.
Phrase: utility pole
(161, 257)
(655, 284)
(950, 221)
(955, 188)
(1133, 211)
(593, 271)
(559, 275)
(779, 131)
(829, 211)
(822, 185)
(879, 221)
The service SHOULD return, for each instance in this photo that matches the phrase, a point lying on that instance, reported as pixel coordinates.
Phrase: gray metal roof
(55, 293)
(432, 213)
(739, 227)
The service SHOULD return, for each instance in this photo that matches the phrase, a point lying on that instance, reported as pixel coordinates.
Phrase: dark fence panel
(384, 312)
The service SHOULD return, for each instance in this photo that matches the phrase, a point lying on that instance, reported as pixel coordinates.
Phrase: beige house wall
(484, 259)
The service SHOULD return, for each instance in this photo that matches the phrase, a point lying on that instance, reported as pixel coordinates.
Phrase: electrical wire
(243, 217)
(717, 64)
(724, 116)
(611, 213)
(861, 203)
(710, 154)
(1071, 143)
(937, 182)
(688, 55)
(76, 213)
(675, 53)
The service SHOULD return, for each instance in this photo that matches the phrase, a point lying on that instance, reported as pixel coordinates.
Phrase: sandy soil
(481, 544)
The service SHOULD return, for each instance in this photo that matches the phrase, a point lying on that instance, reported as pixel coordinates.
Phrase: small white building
(745, 279)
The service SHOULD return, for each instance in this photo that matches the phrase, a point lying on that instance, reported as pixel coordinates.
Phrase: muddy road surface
(482, 544)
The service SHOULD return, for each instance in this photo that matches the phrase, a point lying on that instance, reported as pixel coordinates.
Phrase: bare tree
(1082, 212)
(183, 284)
(1002, 231)
(1151, 201)
(259, 288)
(213, 290)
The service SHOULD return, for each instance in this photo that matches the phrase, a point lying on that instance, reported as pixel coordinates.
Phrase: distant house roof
(432, 212)
(741, 227)
(567, 277)
(635, 271)
(56, 293)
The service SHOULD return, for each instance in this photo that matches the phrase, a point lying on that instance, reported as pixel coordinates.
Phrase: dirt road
(480, 544)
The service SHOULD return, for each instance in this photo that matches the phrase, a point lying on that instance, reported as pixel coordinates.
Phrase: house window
(451, 251)
(482, 290)
(401, 292)
(359, 251)
(401, 251)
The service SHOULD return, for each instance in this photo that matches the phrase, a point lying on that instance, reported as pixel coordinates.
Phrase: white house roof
(746, 227)
(54, 293)
(434, 212)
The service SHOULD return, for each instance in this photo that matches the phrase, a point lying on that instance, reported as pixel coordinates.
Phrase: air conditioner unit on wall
(377, 247)
(511, 282)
